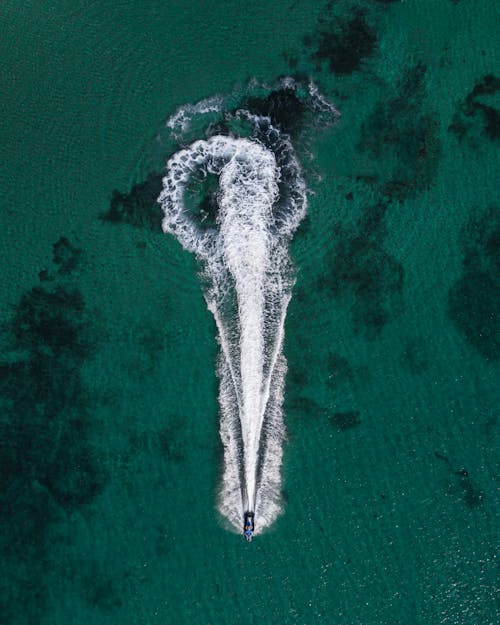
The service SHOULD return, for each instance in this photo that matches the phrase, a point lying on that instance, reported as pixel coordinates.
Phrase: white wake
(248, 279)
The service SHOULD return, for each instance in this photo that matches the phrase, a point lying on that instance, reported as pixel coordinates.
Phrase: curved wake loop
(241, 241)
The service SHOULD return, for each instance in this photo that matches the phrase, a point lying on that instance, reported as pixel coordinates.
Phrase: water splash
(248, 278)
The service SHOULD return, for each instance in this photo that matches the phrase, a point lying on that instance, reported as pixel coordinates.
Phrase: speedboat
(248, 525)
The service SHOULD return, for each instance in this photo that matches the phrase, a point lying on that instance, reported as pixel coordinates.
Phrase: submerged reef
(476, 117)
(474, 299)
(48, 468)
(66, 256)
(138, 207)
(345, 420)
(360, 269)
(49, 323)
(342, 40)
(283, 106)
(402, 134)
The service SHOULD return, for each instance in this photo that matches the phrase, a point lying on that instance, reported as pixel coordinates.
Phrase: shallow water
(109, 449)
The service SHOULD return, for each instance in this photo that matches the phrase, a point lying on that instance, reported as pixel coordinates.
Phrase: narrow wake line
(277, 351)
(225, 349)
(240, 238)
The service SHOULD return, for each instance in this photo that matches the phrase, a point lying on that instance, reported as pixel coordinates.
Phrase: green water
(109, 450)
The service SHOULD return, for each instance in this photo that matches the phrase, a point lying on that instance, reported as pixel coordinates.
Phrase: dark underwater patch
(66, 256)
(404, 136)
(345, 420)
(360, 268)
(201, 199)
(475, 116)
(138, 207)
(474, 299)
(470, 492)
(47, 465)
(283, 106)
(290, 107)
(51, 323)
(44, 276)
(343, 42)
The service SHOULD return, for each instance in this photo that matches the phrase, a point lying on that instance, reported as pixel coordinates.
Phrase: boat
(248, 525)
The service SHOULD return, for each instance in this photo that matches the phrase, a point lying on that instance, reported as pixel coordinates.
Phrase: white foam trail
(248, 272)
(182, 118)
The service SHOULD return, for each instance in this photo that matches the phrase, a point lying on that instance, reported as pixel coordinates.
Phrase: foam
(247, 277)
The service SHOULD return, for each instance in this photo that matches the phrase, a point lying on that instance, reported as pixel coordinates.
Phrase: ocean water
(110, 454)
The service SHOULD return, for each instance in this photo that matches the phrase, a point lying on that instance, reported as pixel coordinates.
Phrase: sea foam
(248, 278)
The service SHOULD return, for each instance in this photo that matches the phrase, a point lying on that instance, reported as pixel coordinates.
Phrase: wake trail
(248, 278)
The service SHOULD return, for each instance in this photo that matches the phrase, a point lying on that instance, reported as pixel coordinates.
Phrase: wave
(239, 228)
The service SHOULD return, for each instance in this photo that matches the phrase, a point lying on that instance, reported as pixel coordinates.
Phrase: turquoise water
(110, 455)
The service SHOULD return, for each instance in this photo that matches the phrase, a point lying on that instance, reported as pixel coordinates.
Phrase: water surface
(110, 455)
